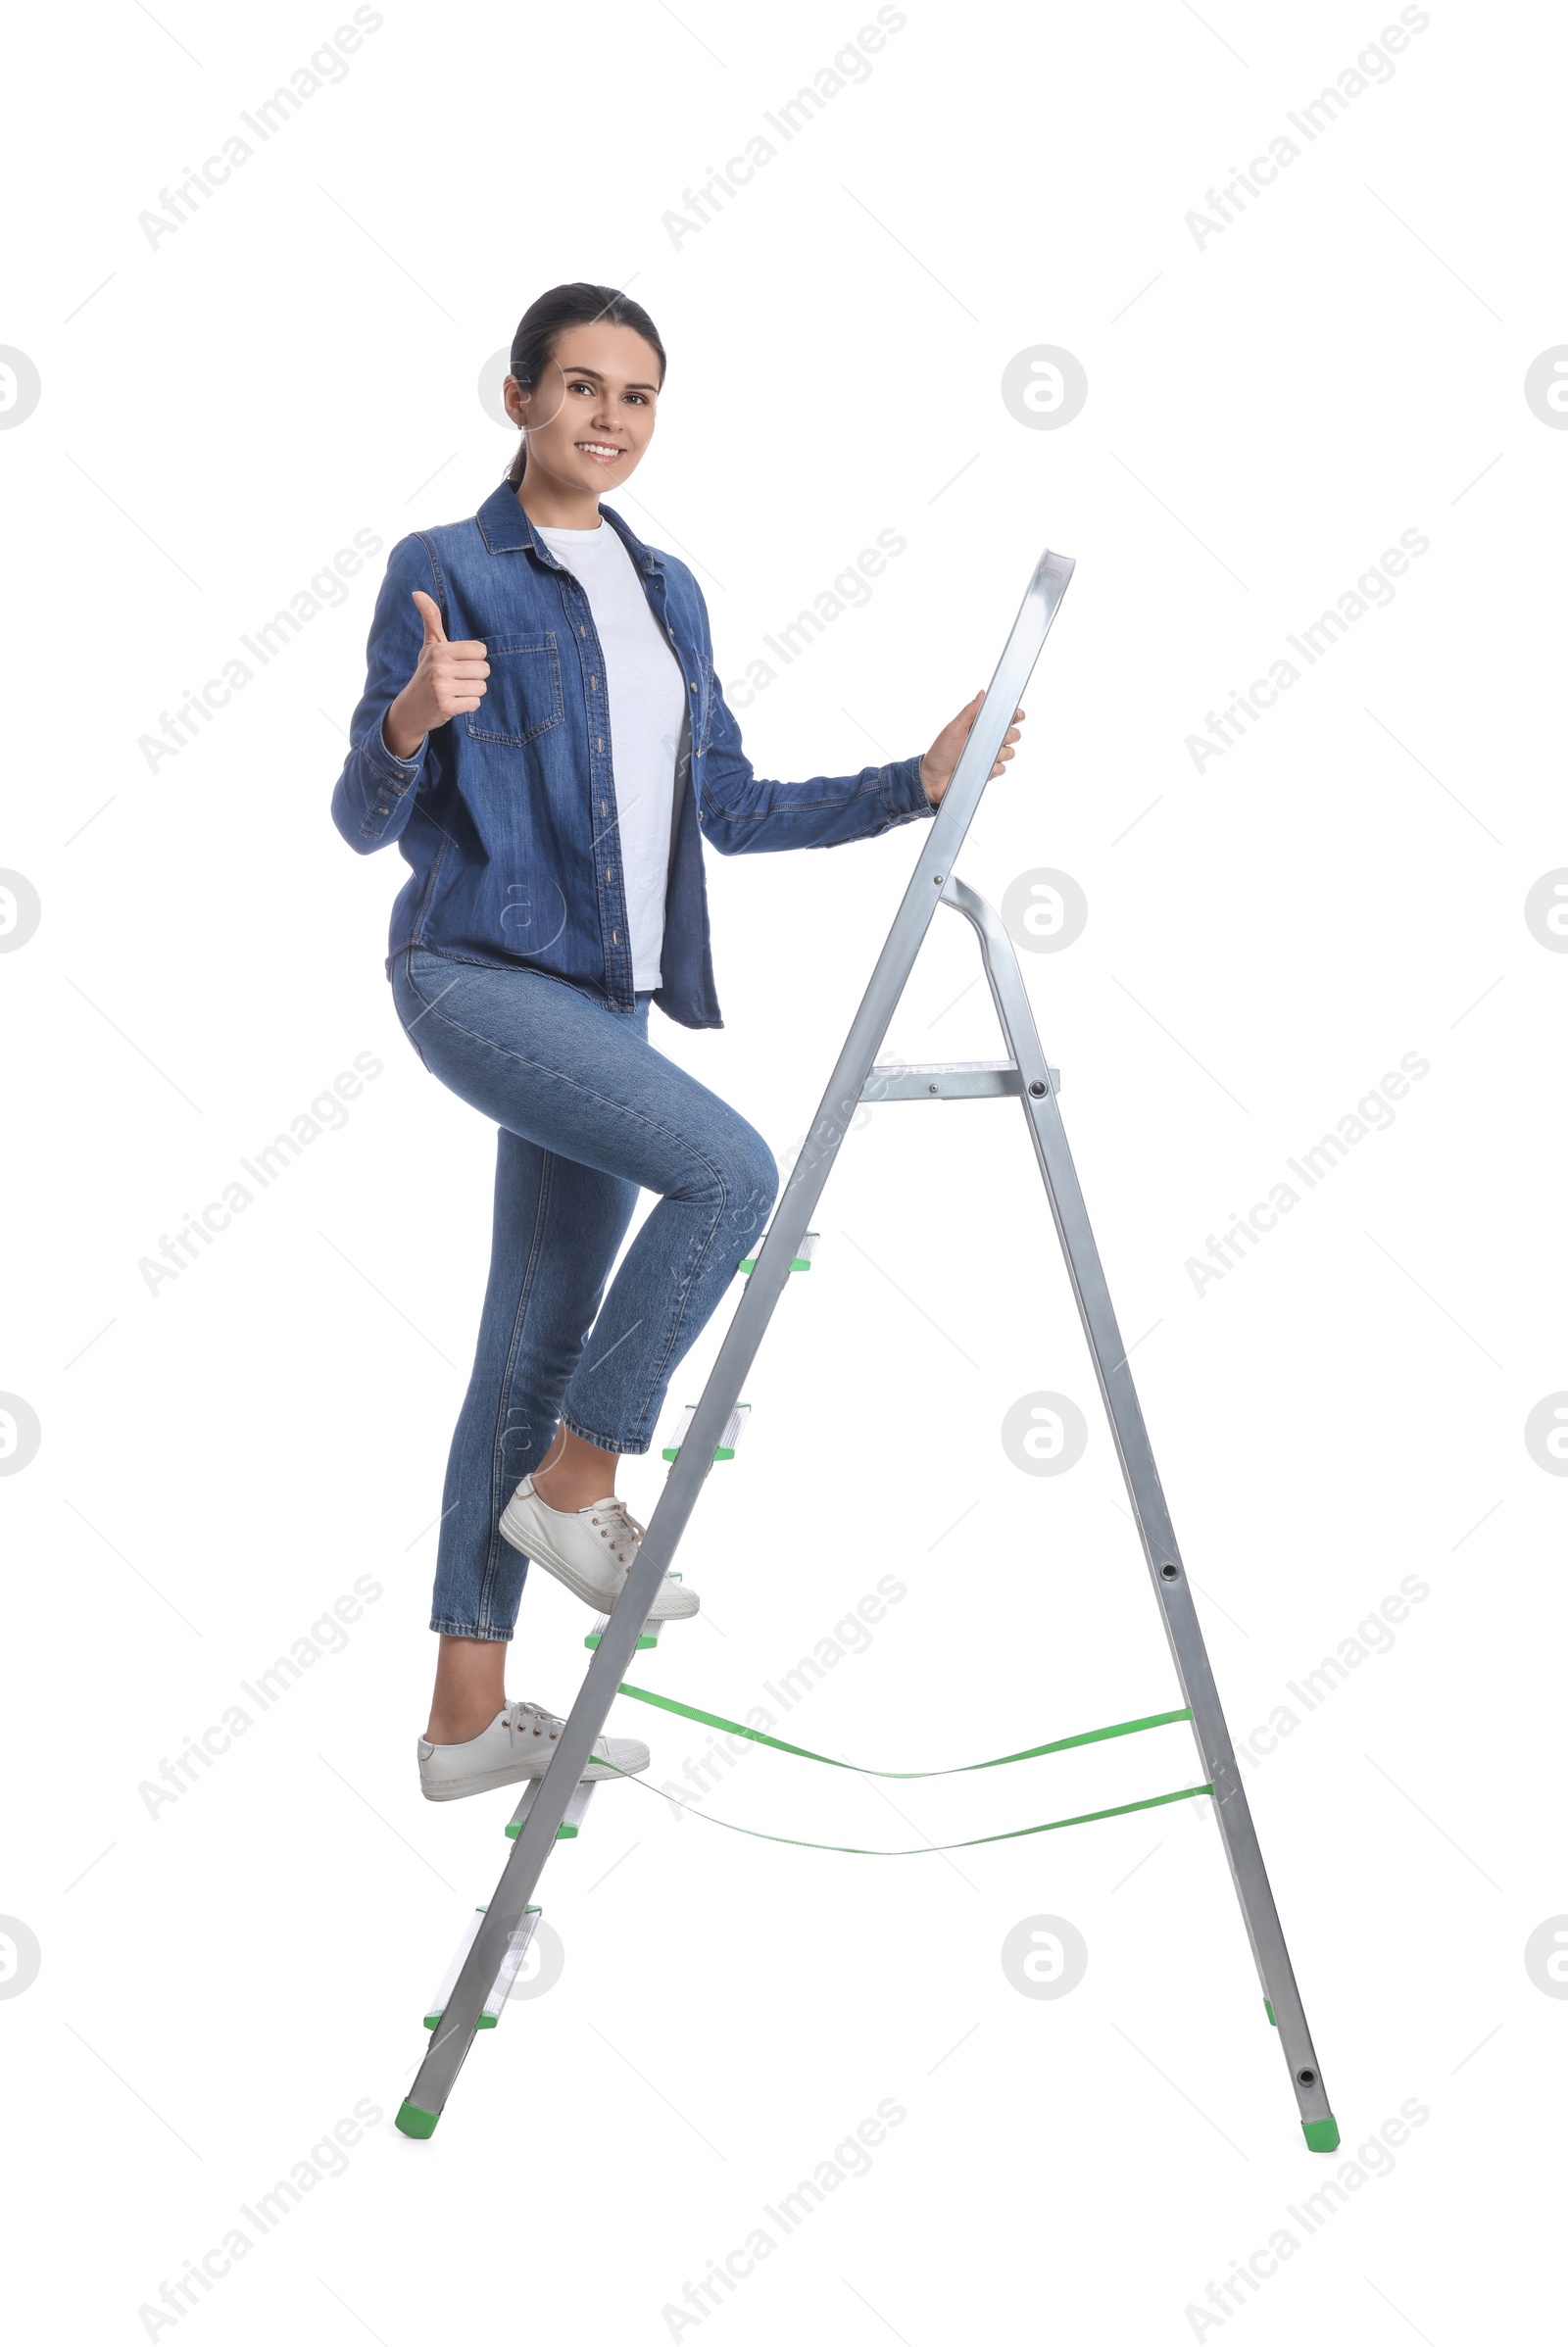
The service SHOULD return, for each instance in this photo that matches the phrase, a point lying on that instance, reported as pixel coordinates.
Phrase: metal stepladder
(482, 1972)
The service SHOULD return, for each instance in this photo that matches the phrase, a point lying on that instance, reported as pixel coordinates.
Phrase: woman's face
(590, 416)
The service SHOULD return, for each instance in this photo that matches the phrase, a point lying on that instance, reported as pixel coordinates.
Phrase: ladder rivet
(936, 879)
(1037, 1088)
(930, 1088)
(1306, 2077)
(1167, 1572)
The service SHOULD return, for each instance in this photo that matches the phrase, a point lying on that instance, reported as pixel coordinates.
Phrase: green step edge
(486, 2021)
(1269, 2010)
(801, 1263)
(563, 1833)
(412, 2121)
(1322, 2134)
(592, 1640)
(719, 1453)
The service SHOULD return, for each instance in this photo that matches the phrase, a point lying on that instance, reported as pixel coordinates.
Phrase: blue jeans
(589, 1113)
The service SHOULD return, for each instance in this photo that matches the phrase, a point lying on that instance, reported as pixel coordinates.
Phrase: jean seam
(498, 1499)
(697, 1258)
(701, 1246)
(600, 1441)
(653, 1123)
(407, 979)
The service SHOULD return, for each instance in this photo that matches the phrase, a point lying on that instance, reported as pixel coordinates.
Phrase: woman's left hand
(936, 767)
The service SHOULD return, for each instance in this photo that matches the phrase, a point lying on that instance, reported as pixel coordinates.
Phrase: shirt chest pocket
(522, 691)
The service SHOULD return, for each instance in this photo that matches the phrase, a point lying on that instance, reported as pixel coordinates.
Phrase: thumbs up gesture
(447, 679)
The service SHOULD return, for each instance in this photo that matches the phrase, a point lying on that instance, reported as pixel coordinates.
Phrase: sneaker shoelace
(531, 1719)
(619, 1530)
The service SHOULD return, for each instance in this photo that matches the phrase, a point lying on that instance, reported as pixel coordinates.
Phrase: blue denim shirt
(507, 814)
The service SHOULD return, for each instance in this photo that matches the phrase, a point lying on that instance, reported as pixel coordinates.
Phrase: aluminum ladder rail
(1026, 1075)
(854, 1078)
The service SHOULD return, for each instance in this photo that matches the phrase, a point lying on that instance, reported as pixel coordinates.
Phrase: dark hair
(545, 321)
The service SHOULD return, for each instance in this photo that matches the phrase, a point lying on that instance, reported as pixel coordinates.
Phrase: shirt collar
(505, 529)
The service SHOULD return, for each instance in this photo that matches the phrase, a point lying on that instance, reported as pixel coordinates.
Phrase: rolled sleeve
(904, 792)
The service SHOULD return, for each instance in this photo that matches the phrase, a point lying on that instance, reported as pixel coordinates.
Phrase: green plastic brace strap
(1091, 1735)
(1063, 1743)
(926, 1849)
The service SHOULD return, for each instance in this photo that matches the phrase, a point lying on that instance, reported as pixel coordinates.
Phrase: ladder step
(949, 1079)
(649, 1637)
(732, 1432)
(649, 1629)
(576, 1811)
(511, 1966)
(802, 1262)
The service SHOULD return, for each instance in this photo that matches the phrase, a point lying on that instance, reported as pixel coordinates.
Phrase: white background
(1268, 409)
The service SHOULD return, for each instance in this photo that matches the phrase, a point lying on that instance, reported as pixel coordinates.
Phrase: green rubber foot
(1322, 2134)
(1269, 2010)
(412, 2121)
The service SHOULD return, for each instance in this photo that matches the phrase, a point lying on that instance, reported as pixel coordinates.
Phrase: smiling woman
(561, 410)
(543, 734)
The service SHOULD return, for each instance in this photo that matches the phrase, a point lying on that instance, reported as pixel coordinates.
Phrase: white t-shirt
(647, 698)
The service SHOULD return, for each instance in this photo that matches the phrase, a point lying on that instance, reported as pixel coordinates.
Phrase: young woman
(544, 735)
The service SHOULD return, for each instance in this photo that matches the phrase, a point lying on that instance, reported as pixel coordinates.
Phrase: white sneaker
(591, 1549)
(519, 1743)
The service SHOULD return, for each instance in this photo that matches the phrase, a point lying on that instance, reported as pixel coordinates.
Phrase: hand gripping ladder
(471, 2000)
